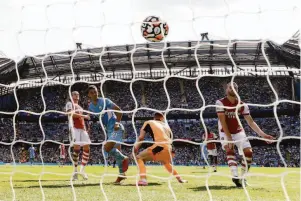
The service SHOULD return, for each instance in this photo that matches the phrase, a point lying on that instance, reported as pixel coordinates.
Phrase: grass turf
(58, 187)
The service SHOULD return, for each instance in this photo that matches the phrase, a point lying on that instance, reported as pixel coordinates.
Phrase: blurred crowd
(182, 129)
(180, 93)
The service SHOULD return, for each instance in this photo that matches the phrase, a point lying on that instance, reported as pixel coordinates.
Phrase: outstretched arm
(256, 128)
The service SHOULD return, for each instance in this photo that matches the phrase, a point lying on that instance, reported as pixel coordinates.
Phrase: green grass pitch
(265, 187)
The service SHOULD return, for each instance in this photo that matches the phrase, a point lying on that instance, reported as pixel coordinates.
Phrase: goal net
(48, 49)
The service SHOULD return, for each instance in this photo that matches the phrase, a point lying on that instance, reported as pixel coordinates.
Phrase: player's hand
(269, 137)
(230, 143)
(87, 117)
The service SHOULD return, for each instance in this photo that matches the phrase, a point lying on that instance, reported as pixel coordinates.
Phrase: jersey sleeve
(69, 106)
(109, 104)
(90, 108)
(219, 107)
(245, 110)
(146, 126)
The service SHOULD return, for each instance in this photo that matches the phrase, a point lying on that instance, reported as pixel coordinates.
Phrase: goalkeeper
(160, 151)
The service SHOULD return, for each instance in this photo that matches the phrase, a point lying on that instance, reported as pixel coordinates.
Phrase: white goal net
(50, 48)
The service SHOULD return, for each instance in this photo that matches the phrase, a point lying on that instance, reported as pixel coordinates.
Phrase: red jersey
(62, 150)
(210, 145)
(231, 120)
(78, 122)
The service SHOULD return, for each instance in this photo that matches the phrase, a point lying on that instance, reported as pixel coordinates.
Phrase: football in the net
(154, 29)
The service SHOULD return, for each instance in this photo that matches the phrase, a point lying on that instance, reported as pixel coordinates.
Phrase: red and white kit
(211, 146)
(237, 132)
(77, 125)
(62, 151)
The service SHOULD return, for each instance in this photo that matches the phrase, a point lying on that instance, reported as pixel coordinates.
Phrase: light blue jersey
(109, 118)
(31, 152)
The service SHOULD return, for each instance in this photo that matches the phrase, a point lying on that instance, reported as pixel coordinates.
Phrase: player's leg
(246, 152)
(113, 151)
(214, 160)
(231, 160)
(210, 158)
(85, 160)
(165, 157)
(62, 161)
(76, 138)
(85, 142)
(141, 158)
(248, 156)
(75, 157)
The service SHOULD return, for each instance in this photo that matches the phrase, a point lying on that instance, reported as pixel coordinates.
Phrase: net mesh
(99, 26)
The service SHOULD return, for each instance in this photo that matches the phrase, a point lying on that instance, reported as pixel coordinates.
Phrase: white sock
(82, 168)
(234, 171)
(75, 169)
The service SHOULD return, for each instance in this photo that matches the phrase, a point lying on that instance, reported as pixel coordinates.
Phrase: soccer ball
(154, 29)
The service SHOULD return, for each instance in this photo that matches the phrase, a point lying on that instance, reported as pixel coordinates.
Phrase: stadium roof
(148, 56)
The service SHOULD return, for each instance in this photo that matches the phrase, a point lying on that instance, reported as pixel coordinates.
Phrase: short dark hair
(158, 115)
(91, 87)
(208, 130)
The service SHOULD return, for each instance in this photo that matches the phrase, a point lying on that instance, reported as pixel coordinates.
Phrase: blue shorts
(111, 133)
(116, 136)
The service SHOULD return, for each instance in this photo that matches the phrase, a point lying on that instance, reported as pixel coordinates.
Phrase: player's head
(92, 92)
(208, 130)
(75, 96)
(159, 116)
(230, 91)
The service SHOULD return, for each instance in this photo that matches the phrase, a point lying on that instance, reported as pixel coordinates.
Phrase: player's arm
(222, 118)
(69, 108)
(252, 123)
(141, 136)
(111, 105)
(256, 128)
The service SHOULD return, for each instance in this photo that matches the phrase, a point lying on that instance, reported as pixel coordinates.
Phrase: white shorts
(212, 152)
(242, 144)
(80, 137)
(62, 157)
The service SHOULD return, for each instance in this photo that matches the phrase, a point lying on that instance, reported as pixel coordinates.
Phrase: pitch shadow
(58, 186)
(35, 180)
(203, 188)
(149, 184)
